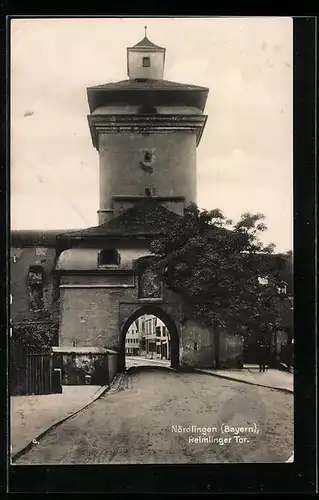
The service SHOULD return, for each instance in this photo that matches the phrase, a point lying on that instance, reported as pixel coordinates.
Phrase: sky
(244, 159)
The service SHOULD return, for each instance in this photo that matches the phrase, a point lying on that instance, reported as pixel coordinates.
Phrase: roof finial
(145, 27)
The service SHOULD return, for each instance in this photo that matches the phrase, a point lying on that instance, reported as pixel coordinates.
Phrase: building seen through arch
(148, 337)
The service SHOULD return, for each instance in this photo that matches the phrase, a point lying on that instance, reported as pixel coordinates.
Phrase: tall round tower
(146, 130)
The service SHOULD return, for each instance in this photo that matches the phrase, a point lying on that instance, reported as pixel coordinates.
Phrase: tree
(213, 264)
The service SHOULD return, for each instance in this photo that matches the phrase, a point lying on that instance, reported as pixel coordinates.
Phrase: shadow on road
(148, 368)
(158, 368)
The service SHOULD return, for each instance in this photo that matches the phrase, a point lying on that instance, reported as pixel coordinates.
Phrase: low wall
(196, 346)
(80, 366)
(230, 350)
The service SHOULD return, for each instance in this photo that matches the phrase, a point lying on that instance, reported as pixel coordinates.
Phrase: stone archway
(159, 312)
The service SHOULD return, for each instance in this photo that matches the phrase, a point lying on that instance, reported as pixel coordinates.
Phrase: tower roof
(146, 44)
(161, 92)
(144, 218)
(149, 84)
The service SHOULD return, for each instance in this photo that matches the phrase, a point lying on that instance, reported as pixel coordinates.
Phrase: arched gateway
(159, 311)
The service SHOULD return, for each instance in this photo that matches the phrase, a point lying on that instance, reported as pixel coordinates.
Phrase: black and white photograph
(151, 241)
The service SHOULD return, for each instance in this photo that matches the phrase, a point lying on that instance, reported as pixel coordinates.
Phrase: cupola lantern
(145, 60)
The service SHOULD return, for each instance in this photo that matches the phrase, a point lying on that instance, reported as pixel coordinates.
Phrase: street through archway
(149, 337)
(147, 343)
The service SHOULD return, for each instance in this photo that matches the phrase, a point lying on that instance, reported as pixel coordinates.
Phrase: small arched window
(109, 257)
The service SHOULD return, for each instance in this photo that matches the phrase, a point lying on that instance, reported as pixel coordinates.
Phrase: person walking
(262, 356)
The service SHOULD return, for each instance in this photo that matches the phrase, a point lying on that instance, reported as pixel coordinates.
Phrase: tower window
(148, 157)
(150, 191)
(195, 346)
(109, 257)
(146, 62)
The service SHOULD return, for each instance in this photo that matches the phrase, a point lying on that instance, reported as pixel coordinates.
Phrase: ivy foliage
(35, 336)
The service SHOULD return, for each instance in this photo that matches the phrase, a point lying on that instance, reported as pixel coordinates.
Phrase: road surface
(150, 419)
(131, 361)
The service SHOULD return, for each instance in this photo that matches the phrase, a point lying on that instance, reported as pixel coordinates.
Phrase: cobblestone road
(137, 423)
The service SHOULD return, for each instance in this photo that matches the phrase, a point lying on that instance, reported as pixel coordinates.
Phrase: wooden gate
(30, 373)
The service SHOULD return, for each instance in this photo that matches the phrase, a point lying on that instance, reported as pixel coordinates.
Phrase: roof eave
(94, 135)
(201, 130)
(122, 235)
(190, 88)
(93, 271)
(145, 48)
